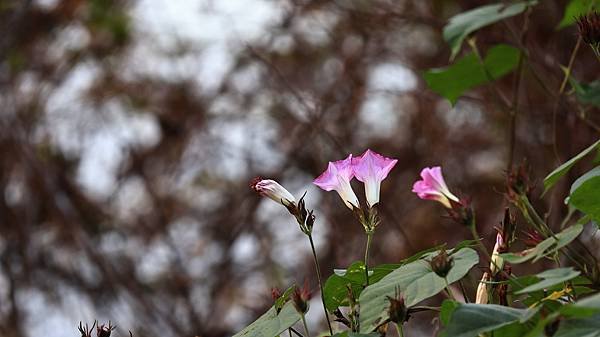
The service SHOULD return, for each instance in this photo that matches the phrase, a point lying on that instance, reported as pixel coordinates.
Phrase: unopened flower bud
(482, 289)
(104, 331)
(517, 183)
(300, 297)
(441, 263)
(589, 28)
(532, 238)
(497, 262)
(273, 190)
(397, 311)
(276, 293)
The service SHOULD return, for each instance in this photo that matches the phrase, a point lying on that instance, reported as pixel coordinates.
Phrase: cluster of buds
(589, 29)
(442, 263)
(102, 330)
(273, 190)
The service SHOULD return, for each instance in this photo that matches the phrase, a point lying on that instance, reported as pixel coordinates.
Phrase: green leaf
(582, 308)
(272, 324)
(550, 278)
(546, 247)
(470, 320)
(280, 302)
(576, 8)
(467, 73)
(354, 334)
(560, 171)
(463, 24)
(585, 194)
(588, 93)
(335, 289)
(416, 281)
(446, 311)
(581, 327)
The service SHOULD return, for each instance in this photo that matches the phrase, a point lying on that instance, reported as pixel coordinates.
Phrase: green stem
(318, 268)
(369, 239)
(400, 331)
(305, 326)
(478, 239)
(450, 296)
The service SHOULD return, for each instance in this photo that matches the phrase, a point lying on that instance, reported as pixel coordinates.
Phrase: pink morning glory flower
(337, 178)
(433, 187)
(371, 168)
(273, 190)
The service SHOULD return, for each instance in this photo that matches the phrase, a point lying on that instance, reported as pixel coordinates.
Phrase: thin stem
(502, 100)
(514, 108)
(450, 296)
(318, 268)
(369, 239)
(305, 326)
(464, 291)
(478, 239)
(400, 331)
(561, 90)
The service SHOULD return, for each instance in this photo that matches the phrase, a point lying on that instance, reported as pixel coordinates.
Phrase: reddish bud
(397, 311)
(441, 263)
(276, 293)
(300, 297)
(589, 28)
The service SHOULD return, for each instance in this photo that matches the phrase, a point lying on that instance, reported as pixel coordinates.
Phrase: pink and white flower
(337, 178)
(497, 262)
(273, 190)
(371, 168)
(433, 187)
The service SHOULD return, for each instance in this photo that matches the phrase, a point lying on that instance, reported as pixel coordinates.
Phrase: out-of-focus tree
(127, 144)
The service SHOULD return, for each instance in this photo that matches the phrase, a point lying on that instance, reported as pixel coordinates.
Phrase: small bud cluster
(518, 184)
(300, 297)
(102, 330)
(589, 29)
(397, 311)
(442, 263)
(461, 212)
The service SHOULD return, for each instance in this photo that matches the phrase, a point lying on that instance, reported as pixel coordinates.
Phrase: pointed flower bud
(497, 262)
(337, 178)
(104, 331)
(482, 289)
(397, 311)
(300, 297)
(273, 190)
(517, 183)
(441, 263)
(533, 238)
(276, 293)
(433, 187)
(371, 168)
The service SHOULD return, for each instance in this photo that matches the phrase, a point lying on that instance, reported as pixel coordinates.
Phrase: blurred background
(130, 130)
